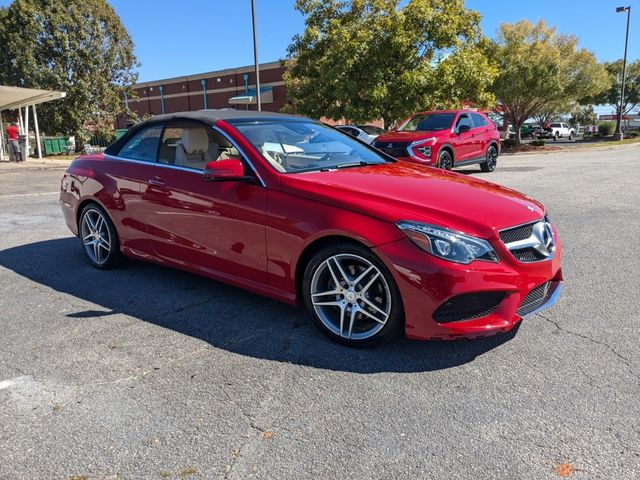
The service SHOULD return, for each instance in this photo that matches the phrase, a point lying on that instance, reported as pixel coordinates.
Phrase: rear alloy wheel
(555, 137)
(570, 135)
(489, 165)
(351, 295)
(445, 160)
(99, 238)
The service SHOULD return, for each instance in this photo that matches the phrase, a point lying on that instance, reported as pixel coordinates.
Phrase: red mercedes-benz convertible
(290, 208)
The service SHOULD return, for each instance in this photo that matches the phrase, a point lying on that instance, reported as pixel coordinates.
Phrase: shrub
(508, 143)
(586, 136)
(537, 143)
(606, 128)
(632, 134)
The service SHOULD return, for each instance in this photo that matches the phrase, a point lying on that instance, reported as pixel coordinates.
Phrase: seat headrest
(259, 136)
(195, 140)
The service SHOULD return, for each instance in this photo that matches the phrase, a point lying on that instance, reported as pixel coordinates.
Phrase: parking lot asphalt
(146, 372)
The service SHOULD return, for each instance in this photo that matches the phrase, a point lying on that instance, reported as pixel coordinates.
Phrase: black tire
(320, 275)
(101, 249)
(489, 165)
(555, 137)
(445, 160)
(570, 135)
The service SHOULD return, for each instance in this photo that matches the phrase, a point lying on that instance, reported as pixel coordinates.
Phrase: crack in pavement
(621, 357)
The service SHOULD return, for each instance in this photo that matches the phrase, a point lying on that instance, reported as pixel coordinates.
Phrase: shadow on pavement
(226, 317)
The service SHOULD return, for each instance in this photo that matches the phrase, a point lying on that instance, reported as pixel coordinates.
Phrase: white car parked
(560, 130)
(365, 133)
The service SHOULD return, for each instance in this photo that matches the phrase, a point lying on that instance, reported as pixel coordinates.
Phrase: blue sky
(193, 36)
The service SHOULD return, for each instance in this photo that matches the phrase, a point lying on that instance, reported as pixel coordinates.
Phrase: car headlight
(447, 244)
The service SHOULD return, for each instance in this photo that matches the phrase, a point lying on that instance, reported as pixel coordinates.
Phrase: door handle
(156, 182)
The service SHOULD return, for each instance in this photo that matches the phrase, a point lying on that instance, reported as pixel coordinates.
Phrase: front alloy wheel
(99, 238)
(351, 296)
(489, 165)
(445, 161)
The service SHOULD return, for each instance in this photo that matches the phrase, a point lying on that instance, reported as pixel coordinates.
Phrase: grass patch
(607, 143)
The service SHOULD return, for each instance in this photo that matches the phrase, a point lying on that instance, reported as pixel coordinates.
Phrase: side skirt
(472, 161)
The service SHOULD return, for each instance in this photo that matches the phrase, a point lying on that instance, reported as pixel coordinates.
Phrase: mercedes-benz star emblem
(543, 236)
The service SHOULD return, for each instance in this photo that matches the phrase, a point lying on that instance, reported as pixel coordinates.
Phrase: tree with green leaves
(611, 96)
(541, 70)
(550, 113)
(583, 115)
(79, 47)
(366, 59)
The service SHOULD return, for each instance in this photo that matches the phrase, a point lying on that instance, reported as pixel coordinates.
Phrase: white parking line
(12, 381)
(29, 194)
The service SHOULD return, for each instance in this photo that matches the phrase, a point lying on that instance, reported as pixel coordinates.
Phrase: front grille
(528, 255)
(534, 299)
(525, 253)
(468, 306)
(395, 149)
(517, 233)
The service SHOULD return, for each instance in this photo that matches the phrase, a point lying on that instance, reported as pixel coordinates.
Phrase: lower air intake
(468, 306)
(536, 298)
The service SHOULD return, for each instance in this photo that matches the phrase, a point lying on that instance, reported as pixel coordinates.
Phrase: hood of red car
(409, 136)
(405, 191)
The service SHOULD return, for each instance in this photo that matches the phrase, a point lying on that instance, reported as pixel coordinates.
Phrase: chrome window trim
(188, 169)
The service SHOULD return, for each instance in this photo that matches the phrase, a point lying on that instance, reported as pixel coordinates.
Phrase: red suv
(444, 138)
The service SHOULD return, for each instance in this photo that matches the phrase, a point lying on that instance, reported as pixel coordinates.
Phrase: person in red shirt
(14, 146)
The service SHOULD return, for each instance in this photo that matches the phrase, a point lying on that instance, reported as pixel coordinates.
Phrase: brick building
(230, 88)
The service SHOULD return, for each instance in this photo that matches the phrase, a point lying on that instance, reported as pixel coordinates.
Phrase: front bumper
(427, 283)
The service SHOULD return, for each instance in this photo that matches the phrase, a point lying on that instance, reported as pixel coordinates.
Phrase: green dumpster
(48, 146)
(56, 146)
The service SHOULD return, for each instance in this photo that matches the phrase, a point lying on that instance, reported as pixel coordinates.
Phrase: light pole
(255, 53)
(618, 135)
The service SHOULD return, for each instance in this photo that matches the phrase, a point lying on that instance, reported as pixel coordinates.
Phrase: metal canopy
(250, 97)
(16, 97)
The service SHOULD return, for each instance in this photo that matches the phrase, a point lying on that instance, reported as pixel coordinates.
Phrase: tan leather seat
(195, 150)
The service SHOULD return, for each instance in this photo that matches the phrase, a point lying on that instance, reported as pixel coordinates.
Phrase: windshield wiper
(361, 163)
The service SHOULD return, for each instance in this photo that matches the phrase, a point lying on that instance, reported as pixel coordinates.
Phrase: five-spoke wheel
(351, 295)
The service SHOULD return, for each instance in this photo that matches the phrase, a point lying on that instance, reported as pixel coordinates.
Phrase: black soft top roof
(212, 116)
(205, 116)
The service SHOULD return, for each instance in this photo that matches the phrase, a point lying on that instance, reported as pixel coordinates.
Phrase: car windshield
(371, 130)
(428, 122)
(298, 146)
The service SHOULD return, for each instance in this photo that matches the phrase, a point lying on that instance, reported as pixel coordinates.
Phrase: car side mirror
(226, 170)
(464, 128)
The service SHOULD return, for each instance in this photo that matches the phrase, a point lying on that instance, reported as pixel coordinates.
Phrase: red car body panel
(257, 235)
(467, 147)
